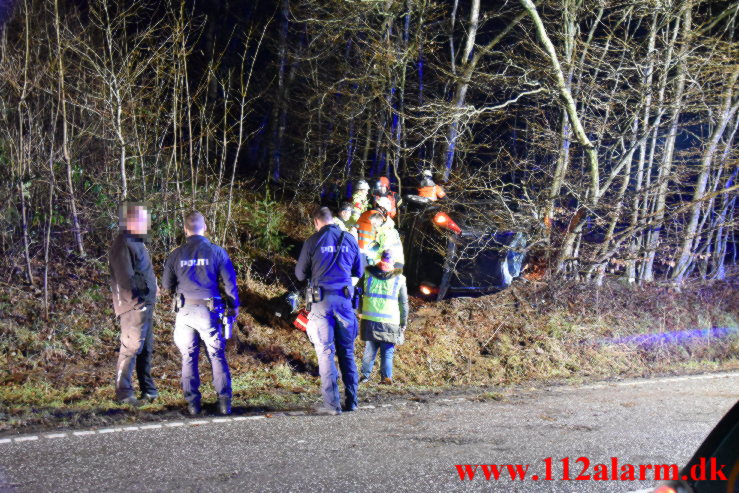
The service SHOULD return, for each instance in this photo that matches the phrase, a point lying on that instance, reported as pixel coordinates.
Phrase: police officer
(329, 259)
(193, 272)
(134, 290)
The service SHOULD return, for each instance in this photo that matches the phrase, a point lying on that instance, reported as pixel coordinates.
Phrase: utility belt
(212, 304)
(316, 294)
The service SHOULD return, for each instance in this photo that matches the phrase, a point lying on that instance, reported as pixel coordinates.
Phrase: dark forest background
(604, 130)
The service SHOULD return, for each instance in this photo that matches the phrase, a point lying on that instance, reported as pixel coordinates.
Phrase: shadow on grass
(271, 312)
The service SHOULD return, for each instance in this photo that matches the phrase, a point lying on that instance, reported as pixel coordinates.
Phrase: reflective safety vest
(380, 299)
(432, 192)
(342, 226)
(389, 239)
(365, 231)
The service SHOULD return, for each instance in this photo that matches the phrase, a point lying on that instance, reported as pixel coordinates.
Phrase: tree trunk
(663, 177)
(65, 135)
(727, 112)
(463, 85)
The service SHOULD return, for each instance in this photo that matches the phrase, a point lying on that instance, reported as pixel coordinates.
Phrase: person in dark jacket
(384, 315)
(193, 273)
(134, 291)
(329, 259)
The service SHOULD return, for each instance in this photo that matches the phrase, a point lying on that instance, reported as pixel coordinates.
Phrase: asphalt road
(406, 446)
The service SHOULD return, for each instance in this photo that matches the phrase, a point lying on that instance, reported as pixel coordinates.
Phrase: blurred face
(345, 214)
(138, 222)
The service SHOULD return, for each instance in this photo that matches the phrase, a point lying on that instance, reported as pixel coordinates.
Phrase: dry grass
(62, 369)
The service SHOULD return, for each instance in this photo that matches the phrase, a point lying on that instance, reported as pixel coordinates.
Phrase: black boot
(224, 405)
(193, 408)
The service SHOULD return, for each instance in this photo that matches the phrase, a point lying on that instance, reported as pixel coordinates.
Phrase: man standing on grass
(134, 289)
(194, 272)
(329, 259)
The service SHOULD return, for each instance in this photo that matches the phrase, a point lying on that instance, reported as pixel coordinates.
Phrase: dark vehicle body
(440, 263)
(720, 447)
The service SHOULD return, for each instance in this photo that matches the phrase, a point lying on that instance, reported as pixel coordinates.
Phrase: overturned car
(454, 249)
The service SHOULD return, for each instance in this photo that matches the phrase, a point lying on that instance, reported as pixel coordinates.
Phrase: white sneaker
(327, 411)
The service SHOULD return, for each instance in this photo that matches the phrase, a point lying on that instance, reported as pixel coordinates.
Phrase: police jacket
(132, 279)
(195, 269)
(318, 253)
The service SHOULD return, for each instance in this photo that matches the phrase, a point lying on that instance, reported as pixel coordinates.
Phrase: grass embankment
(60, 371)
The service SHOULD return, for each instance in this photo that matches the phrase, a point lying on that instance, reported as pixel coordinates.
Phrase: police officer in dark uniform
(329, 259)
(134, 290)
(192, 272)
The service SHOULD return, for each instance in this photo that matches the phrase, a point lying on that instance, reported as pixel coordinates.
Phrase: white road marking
(659, 380)
(26, 439)
(56, 435)
(174, 424)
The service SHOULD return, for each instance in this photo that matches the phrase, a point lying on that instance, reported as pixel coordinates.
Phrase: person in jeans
(384, 315)
(194, 272)
(134, 290)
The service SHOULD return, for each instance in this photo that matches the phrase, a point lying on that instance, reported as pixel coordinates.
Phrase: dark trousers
(137, 344)
(332, 328)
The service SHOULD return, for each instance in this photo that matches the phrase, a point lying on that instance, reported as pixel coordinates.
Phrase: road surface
(404, 446)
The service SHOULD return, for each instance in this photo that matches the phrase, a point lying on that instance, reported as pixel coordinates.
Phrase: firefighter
(367, 226)
(384, 315)
(134, 288)
(384, 236)
(377, 232)
(193, 273)
(382, 189)
(329, 259)
(428, 189)
(360, 201)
